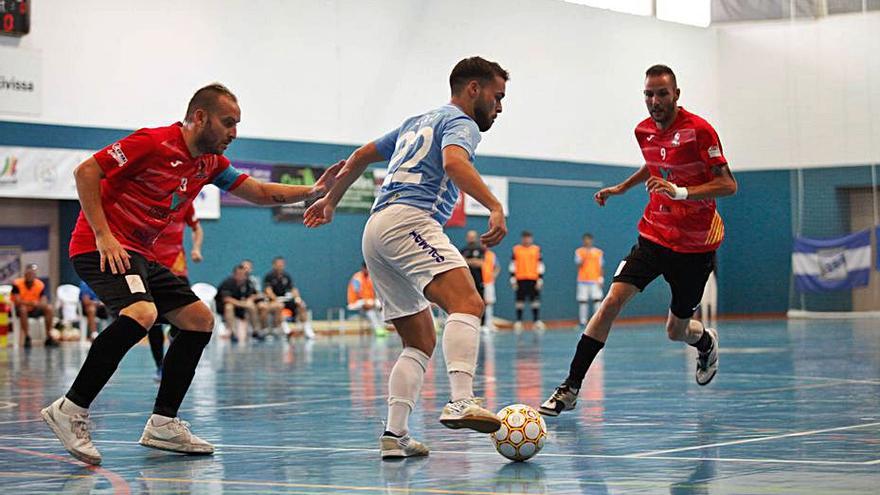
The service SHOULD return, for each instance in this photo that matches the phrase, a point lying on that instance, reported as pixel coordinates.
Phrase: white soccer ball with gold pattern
(522, 432)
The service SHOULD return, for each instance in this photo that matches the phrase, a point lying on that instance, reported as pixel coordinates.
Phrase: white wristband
(680, 192)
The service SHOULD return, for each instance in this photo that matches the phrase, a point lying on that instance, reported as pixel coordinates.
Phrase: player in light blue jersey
(410, 259)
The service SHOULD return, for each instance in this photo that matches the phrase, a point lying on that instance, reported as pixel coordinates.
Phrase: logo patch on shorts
(135, 284)
(424, 246)
(619, 268)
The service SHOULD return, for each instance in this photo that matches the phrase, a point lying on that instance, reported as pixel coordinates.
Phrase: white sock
(404, 385)
(71, 409)
(461, 343)
(490, 315)
(583, 310)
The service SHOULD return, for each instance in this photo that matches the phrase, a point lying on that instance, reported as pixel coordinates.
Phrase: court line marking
(120, 486)
(194, 410)
(297, 448)
(758, 439)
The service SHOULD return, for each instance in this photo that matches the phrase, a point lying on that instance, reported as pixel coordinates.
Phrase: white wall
(805, 93)
(345, 71)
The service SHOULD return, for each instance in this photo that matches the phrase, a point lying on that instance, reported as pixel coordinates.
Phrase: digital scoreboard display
(15, 17)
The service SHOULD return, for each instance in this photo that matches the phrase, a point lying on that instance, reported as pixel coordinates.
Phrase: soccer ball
(522, 432)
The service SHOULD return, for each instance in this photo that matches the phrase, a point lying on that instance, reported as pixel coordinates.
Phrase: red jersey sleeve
(190, 217)
(711, 151)
(121, 156)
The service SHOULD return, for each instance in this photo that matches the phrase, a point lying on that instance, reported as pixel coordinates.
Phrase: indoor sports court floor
(794, 409)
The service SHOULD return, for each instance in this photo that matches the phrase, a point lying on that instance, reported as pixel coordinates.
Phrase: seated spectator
(30, 300)
(249, 269)
(93, 308)
(362, 297)
(236, 299)
(281, 293)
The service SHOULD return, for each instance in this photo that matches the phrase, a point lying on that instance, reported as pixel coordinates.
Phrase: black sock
(535, 312)
(388, 433)
(104, 356)
(178, 370)
(157, 344)
(519, 314)
(587, 349)
(705, 342)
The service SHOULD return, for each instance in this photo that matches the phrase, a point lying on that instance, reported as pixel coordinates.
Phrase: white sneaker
(308, 331)
(174, 435)
(539, 326)
(517, 327)
(707, 363)
(469, 413)
(73, 431)
(392, 447)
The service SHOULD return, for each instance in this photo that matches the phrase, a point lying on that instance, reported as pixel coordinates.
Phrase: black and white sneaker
(707, 362)
(563, 399)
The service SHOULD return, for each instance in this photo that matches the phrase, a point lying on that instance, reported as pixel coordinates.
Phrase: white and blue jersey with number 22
(415, 168)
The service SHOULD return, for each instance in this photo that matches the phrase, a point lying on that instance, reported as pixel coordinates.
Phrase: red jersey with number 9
(150, 179)
(683, 154)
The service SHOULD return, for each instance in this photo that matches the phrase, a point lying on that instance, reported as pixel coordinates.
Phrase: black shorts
(144, 281)
(527, 289)
(686, 273)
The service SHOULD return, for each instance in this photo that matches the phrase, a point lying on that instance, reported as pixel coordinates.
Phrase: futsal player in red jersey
(685, 170)
(131, 192)
(172, 255)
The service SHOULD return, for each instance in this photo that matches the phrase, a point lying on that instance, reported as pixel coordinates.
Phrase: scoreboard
(15, 17)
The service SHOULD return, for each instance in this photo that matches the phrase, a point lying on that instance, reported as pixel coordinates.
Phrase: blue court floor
(795, 409)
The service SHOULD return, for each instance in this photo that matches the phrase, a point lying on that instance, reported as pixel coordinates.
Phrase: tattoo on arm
(719, 170)
(278, 198)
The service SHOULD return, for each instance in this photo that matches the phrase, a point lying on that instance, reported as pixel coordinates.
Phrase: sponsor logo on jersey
(675, 140)
(175, 163)
(714, 151)
(116, 152)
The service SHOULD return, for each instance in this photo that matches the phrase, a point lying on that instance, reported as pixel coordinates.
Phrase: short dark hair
(277, 258)
(588, 235)
(526, 233)
(206, 98)
(661, 70)
(474, 68)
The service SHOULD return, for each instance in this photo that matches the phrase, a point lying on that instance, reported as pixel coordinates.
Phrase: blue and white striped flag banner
(821, 265)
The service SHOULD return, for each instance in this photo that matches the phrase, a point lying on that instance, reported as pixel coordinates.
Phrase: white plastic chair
(69, 308)
(37, 329)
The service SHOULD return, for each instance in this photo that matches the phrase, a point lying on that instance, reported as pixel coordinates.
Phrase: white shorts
(404, 249)
(589, 291)
(489, 293)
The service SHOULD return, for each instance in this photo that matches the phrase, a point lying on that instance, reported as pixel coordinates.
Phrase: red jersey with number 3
(684, 154)
(150, 179)
(172, 254)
